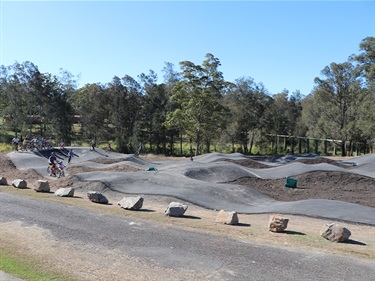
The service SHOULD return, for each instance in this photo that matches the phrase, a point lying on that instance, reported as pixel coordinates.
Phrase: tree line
(195, 105)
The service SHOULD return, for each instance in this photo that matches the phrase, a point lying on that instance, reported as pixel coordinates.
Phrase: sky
(281, 44)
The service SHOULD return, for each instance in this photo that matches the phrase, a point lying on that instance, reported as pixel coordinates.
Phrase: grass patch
(20, 268)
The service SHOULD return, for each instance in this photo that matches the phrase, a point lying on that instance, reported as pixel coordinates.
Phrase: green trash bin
(151, 169)
(292, 183)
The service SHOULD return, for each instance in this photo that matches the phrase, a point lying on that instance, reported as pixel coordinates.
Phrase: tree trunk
(292, 145)
(251, 141)
(343, 148)
(325, 147)
(277, 145)
(197, 145)
(191, 147)
(285, 142)
(307, 145)
(181, 143)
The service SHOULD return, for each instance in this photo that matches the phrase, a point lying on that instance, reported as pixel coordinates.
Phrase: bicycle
(60, 172)
(49, 170)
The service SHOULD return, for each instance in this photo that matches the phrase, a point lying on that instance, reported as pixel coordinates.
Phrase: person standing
(93, 144)
(109, 148)
(70, 154)
(15, 142)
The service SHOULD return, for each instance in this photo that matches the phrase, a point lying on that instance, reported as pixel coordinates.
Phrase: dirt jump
(333, 189)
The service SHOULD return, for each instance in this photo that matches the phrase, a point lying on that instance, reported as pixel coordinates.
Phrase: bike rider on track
(52, 161)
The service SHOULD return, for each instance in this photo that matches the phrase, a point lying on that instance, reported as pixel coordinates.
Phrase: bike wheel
(49, 170)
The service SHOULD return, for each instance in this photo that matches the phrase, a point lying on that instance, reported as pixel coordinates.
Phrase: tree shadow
(103, 154)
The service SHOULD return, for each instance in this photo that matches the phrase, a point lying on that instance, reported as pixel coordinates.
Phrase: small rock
(176, 209)
(65, 192)
(3, 181)
(18, 183)
(335, 232)
(97, 197)
(42, 186)
(224, 217)
(277, 223)
(131, 203)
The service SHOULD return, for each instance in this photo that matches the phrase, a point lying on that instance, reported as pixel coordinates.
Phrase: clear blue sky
(283, 44)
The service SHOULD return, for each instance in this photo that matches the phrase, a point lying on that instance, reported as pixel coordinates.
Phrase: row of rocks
(333, 232)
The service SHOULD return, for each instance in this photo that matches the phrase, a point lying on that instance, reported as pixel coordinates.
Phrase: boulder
(335, 232)
(65, 192)
(97, 197)
(175, 209)
(277, 223)
(3, 181)
(227, 217)
(18, 183)
(42, 186)
(131, 203)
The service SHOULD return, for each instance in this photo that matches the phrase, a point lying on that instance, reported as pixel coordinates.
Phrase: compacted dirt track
(335, 185)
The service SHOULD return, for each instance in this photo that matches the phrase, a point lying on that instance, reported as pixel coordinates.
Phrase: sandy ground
(302, 232)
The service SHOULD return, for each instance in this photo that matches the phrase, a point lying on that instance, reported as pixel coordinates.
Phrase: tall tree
(335, 98)
(247, 101)
(199, 95)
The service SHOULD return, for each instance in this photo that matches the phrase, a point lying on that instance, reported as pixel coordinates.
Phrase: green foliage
(196, 104)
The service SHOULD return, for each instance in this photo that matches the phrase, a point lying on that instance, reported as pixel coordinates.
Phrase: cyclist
(61, 167)
(52, 161)
(43, 143)
(49, 143)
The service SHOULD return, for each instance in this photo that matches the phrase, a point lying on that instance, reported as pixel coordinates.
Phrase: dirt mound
(248, 163)
(101, 160)
(319, 160)
(347, 187)
(341, 186)
(10, 172)
(116, 168)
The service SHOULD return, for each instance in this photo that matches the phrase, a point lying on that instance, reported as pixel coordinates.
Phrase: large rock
(131, 203)
(97, 197)
(335, 232)
(65, 192)
(18, 183)
(227, 217)
(277, 223)
(175, 209)
(3, 181)
(42, 186)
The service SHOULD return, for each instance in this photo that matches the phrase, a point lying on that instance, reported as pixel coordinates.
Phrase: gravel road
(117, 248)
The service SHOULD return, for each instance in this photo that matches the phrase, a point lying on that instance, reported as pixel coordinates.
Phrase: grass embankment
(26, 269)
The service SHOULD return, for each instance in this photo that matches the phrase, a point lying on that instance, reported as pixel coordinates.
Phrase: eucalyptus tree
(171, 77)
(247, 101)
(33, 97)
(199, 95)
(153, 113)
(133, 109)
(365, 66)
(335, 98)
(118, 106)
(90, 103)
(21, 103)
